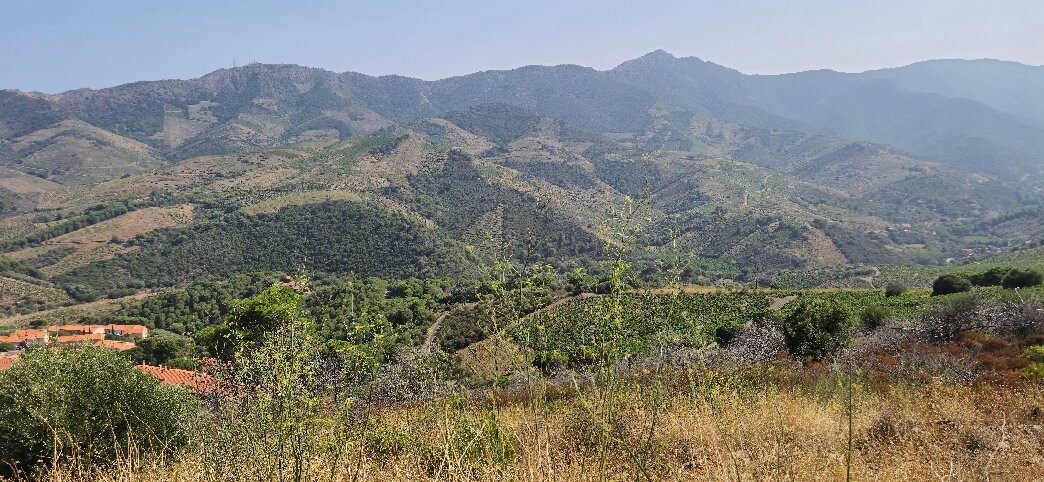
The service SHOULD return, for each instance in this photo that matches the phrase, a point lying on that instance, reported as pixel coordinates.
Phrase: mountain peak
(659, 54)
(657, 58)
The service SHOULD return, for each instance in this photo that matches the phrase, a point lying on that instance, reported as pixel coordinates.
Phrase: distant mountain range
(287, 167)
(983, 115)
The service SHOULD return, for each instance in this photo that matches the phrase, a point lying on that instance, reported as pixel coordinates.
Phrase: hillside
(281, 167)
(936, 111)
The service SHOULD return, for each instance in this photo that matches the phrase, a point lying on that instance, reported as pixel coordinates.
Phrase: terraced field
(18, 296)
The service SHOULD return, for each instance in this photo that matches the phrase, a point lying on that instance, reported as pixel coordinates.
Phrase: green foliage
(336, 237)
(384, 442)
(875, 316)
(87, 404)
(579, 281)
(489, 443)
(816, 329)
(92, 215)
(726, 331)
(1034, 353)
(190, 310)
(502, 123)
(274, 402)
(1022, 278)
(990, 277)
(250, 320)
(460, 198)
(166, 349)
(577, 331)
(894, 289)
(949, 284)
(855, 245)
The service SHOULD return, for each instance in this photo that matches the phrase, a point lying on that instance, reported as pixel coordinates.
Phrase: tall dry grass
(775, 426)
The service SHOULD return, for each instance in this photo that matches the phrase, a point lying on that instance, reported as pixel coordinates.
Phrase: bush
(1035, 355)
(723, 333)
(816, 329)
(949, 284)
(960, 313)
(85, 404)
(992, 277)
(384, 442)
(1022, 278)
(875, 316)
(894, 289)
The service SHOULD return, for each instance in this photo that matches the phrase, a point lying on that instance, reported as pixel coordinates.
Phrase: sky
(52, 46)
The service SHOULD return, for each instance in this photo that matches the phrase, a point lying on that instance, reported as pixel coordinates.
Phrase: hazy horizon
(55, 46)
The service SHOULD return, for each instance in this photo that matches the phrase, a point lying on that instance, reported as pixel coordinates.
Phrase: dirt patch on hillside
(819, 251)
(102, 241)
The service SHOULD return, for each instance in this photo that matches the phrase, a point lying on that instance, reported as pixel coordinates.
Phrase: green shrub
(816, 329)
(1022, 278)
(1034, 353)
(894, 289)
(949, 284)
(875, 316)
(384, 442)
(726, 331)
(87, 404)
(992, 277)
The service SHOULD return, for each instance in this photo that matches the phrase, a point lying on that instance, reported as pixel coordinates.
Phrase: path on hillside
(433, 330)
(774, 302)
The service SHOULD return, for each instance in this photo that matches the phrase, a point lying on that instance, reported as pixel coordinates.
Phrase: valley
(664, 270)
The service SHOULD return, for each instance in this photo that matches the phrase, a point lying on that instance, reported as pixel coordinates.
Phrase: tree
(86, 404)
(166, 350)
(875, 316)
(816, 329)
(894, 289)
(949, 284)
(991, 277)
(1022, 278)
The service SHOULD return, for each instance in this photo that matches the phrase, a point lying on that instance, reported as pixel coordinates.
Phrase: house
(92, 338)
(198, 382)
(7, 360)
(26, 337)
(129, 331)
(114, 345)
(76, 329)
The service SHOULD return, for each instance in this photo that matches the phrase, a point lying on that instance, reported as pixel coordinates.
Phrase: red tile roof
(92, 337)
(115, 345)
(200, 382)
(7, 360)
(127, 329)
(19, 336)
(81, 329)
(140, 330)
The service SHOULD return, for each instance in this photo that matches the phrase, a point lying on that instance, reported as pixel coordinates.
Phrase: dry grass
(14, 292)
(773, 426)
(93, 243)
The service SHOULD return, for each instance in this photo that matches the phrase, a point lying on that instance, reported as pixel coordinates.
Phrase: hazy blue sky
(52, 46)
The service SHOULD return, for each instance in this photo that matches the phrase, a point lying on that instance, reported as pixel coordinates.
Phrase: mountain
(871, 107)
(1004, 86)
(282, 167)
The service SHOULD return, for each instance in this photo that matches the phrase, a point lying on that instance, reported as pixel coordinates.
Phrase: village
(113, 337)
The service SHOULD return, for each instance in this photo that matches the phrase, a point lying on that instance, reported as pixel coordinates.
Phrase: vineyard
(585, 329)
